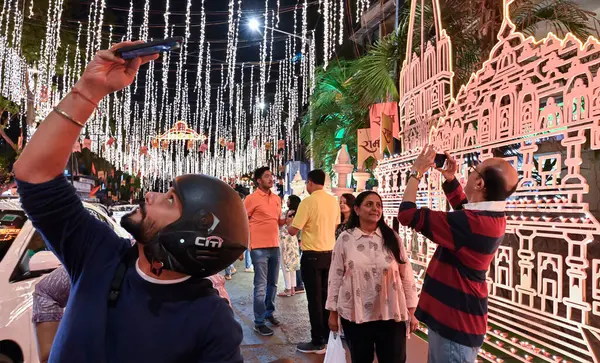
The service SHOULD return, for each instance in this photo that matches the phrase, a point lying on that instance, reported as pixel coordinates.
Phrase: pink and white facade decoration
(537, 104)
(343, 167)
(298, 185)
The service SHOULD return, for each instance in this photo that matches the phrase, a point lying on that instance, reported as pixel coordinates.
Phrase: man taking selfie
(152, 302)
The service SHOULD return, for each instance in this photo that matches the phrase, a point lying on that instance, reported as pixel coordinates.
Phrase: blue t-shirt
(150, 322)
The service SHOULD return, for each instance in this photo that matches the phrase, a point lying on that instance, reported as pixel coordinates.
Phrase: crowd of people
(162, 299)
(356, 271)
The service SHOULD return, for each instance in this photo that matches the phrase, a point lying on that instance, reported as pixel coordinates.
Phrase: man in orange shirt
(264, 214)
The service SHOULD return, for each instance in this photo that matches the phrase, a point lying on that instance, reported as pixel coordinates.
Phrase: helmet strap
(156, 267)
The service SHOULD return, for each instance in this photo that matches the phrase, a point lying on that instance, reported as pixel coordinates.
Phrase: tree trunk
(30, 102)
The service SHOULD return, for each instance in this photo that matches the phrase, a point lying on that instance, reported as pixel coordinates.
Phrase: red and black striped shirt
(453, 300)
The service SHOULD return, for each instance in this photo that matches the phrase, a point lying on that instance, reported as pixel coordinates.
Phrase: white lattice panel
(537, 104)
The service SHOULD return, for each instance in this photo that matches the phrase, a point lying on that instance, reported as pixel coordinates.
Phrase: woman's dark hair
(350, 203)
(390, 241)
(294, 202)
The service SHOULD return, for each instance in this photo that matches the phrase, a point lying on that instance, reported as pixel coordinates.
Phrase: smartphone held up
(150, 48)
(440, 160)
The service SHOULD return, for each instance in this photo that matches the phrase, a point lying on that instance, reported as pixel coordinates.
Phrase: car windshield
(11, 223)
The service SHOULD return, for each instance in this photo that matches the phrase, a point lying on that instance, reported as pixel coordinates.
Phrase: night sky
(216, 30)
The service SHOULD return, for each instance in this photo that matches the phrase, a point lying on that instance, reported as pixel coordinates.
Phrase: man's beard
(135, 228)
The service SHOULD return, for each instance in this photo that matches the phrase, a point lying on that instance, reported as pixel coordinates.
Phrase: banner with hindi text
(376, 111)
(366, 147)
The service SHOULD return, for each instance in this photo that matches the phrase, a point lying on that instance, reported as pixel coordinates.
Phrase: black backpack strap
(117, 281)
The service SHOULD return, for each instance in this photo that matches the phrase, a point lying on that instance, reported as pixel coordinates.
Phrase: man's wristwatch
(416, 174)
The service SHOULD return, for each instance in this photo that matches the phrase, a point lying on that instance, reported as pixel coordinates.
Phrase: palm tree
(332, 118)
(471, 24)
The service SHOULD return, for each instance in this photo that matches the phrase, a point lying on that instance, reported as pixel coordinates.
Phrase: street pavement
(295, 327)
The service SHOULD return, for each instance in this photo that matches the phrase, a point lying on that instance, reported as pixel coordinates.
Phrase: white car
(24, 259)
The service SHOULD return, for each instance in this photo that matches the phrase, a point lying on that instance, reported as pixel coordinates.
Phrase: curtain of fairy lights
(231, 137)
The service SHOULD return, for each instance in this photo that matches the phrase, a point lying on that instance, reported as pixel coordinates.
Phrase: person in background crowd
(318, 215)
(219, 284)
(151, 302)
(248, 262)
(453, 301)
(230, 271)
(290, 257)
(371, 286)
(264, 211)
(50, 299)
(299, 289)
(299, 283)
(243, 192)
(346, 204)
(280, 187)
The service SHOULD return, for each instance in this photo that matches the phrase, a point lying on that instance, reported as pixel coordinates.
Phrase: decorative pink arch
(537, 103)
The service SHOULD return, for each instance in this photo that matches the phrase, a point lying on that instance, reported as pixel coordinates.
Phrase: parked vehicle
(118, 211)
(24, 259)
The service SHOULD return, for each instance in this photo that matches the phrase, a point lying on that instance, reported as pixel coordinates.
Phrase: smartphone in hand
(154, 47)
(440, 160)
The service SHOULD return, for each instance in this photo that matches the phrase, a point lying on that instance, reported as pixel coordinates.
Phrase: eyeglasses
(473, 168)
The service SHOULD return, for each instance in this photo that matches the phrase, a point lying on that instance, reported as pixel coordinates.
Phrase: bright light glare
(261, 105)
(254, 25)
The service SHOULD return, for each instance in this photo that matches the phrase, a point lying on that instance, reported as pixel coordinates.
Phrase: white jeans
(289, 279)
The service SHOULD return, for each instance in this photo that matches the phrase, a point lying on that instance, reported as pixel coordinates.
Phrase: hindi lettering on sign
(386, 139)
(375, 113)
(367, 147)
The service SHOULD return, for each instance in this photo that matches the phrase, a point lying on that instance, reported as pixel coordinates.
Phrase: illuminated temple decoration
(181, 131)
(537, 104)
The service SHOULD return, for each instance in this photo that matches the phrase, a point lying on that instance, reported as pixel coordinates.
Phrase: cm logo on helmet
(210, 241)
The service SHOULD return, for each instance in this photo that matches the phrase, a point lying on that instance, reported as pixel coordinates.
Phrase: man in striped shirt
(453, 301)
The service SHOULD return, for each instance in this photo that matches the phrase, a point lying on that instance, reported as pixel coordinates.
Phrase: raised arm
(447, 229)
(51, 295)
(47, 197)
(455, 194)
(452, 188)
(46, 155)
(444, 228)
(300, 219)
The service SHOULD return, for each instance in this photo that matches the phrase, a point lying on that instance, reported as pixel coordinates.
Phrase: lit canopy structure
(181, 131)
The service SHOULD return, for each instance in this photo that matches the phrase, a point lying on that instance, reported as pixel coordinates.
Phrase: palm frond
(374, 79)
(560, 16)
(345, 91)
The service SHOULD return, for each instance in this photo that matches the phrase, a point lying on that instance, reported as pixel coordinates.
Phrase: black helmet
(211, 233)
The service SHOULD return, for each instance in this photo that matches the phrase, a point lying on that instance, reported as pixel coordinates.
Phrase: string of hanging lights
(236, 137)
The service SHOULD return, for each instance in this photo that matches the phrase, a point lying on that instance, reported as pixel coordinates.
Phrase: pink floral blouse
(365, 281)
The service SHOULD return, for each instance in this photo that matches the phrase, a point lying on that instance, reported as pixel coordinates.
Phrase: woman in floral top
(371, 286)
(290, 255)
